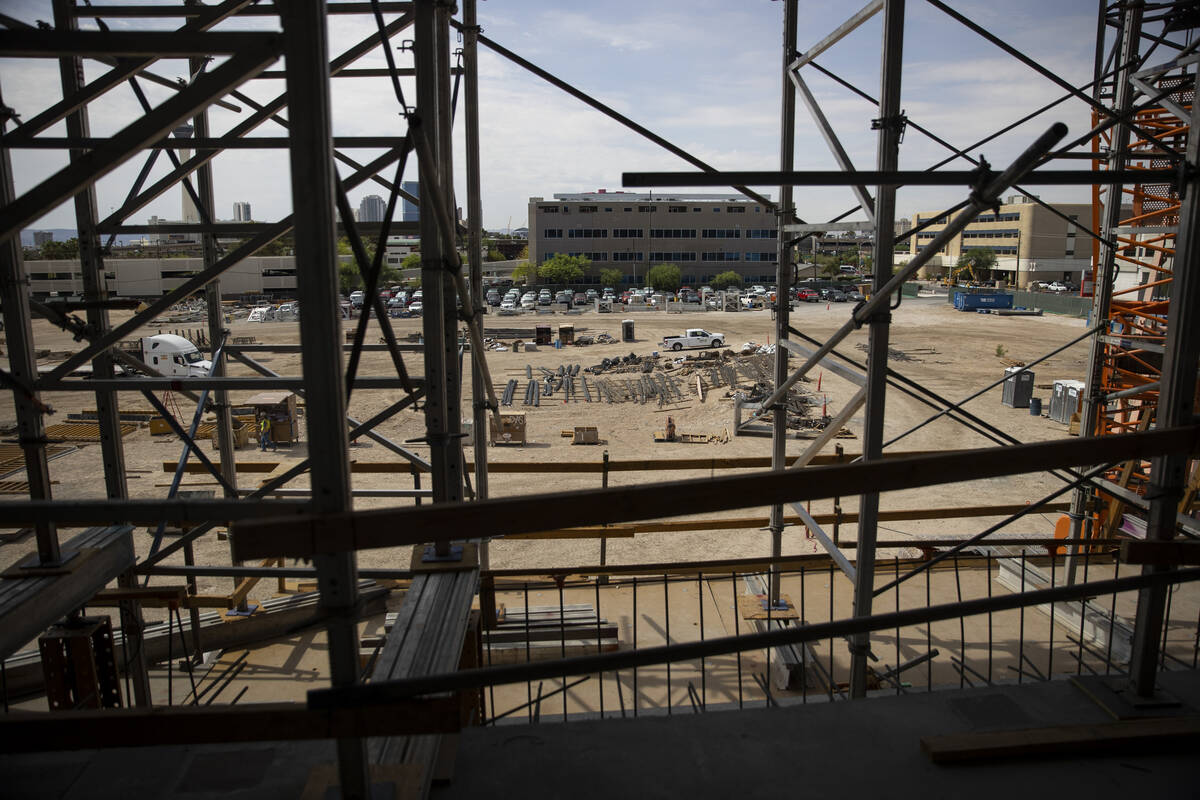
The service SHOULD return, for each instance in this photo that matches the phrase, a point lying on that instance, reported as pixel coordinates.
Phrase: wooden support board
(1107, 737)
(83, 431)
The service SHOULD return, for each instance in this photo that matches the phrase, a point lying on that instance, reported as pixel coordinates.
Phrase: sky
(704, 74)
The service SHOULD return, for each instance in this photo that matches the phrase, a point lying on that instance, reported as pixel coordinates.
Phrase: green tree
(610, 276)
(411, 261)
(61, 250)
(524, 254)
(523, 272)
(664, 278)
(563, 269)
(388, 276)
(348, 277)
(980, 258)
(494, 255)
(726, 280)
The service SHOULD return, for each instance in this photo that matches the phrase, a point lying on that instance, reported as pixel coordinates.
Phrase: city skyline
(712, 87)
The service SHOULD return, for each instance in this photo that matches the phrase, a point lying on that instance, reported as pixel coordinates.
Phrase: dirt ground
(950, 352)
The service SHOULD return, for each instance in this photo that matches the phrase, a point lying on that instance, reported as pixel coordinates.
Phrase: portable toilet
(626, 330)
(541, 334)
(566, 334)
(1018, 387)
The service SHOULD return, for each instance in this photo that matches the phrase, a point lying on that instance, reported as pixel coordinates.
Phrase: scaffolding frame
(310, 141)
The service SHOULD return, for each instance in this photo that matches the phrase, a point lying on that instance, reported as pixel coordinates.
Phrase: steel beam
(1176, 401)
(783, 281)
(839, 33)
(37, 43)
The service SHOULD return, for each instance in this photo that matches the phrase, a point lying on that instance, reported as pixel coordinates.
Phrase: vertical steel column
(1130, 33)
(783, 281)
(474, 246)
(95, 288)
(313, 182)
(890, 129)
(216, 320)
(1176, 406)
(438, 319)
(18, 331)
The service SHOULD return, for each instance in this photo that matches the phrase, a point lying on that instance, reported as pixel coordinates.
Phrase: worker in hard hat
(264, 434)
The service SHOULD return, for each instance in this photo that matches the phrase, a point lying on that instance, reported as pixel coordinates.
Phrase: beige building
(1031, 242)
(702, 234)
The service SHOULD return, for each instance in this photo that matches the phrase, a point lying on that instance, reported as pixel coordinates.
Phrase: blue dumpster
(965, 301)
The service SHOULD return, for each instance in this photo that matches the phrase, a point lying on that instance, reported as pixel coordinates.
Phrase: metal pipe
(890, 129)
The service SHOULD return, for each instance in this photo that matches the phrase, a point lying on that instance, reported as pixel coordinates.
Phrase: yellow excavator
(968, 268)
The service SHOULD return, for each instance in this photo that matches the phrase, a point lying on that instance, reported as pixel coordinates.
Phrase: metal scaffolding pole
(891, 127)
(441, 346)
(783, 276)
(1176, 402)
(1131, 24)
(313, 182)
(95, 288)
(22, 366)
(479, 418)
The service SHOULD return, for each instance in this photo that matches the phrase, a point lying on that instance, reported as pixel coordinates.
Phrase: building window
(587, 233)
(672, 233)
(736, 210)
(548, 209)
(591, 256)
(628, 256)
(996, 233)
(587, 209)
(608, 210)
(628, 233)
(722, 233)
(627, 209)
(762, 233)
(760, 256)
(666, 257)
(676, 209)
(552, 233)
(720, 257)
(697, 210)
(647, 209)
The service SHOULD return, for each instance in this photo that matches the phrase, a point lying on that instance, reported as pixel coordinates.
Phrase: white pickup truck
(694, 337)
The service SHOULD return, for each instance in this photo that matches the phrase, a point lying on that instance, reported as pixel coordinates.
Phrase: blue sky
(703, 74)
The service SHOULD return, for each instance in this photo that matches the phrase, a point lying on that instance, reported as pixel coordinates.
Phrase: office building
(410, 211)
(702, 234)
(241, 212)
(1031, 242)
(371, 209)
(42, 238)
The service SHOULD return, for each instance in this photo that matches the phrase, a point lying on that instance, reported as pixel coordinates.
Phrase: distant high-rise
(410, 212)
(42, 237)
(241, 212)
(371, 209)
(190, 215)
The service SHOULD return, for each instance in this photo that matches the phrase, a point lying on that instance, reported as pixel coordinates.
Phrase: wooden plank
(1090, 739)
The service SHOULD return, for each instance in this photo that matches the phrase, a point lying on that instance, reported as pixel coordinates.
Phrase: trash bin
(541, 334)
(566, 334)
(1035, 406)
(626, 330)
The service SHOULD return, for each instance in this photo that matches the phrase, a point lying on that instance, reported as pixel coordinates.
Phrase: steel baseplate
(462, 556)
(1114, 694)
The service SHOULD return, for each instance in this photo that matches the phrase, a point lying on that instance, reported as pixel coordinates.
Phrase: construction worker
(264, 434)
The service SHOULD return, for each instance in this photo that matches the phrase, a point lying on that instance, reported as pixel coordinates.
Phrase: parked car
(592, 294)
(579, 299)
(529, 300)
(1059, 286)
(836, 296)
(415, 307)
(492, 297)
(807, 295)
(609, 292)
(508, 303)
(563, 296)
(854, 295)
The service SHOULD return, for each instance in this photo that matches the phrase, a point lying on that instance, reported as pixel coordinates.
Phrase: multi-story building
(241, 212)
(1031, 242)
(410, 211)
(42, 237)
(371, 209)
(702, 234)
